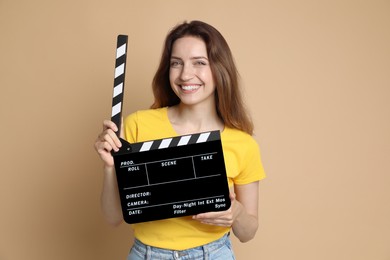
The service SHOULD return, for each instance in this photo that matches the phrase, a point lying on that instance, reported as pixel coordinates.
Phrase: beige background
(317, 81)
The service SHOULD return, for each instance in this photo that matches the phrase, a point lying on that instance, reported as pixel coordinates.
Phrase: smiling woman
(196, 90)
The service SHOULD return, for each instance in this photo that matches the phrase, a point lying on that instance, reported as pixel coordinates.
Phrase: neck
(194, 119)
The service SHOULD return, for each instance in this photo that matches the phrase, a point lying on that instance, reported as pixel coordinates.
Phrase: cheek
(207, 76)
(171, 77)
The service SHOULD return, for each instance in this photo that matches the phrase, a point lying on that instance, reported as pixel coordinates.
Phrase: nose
(187, 72)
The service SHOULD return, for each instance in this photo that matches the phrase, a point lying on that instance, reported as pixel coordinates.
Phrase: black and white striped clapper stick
(177, 141)
(119, 81)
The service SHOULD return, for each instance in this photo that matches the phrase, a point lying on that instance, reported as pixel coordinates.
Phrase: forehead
(189, 46)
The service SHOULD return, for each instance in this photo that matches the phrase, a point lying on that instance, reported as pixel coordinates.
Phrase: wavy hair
(228, 97)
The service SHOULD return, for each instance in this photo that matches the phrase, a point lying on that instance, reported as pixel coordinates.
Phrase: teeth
(190, 87)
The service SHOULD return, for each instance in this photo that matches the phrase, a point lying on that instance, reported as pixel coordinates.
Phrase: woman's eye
(175, 63)
(200, 63)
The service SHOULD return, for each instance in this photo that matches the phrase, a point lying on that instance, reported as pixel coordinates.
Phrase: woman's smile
(190, 88)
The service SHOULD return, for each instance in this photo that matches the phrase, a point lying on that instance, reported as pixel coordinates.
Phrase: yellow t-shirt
(243, 166)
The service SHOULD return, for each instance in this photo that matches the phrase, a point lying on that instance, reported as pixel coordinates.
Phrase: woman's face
(190, 73)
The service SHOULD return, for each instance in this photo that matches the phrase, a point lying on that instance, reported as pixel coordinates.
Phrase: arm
(241, 216)
(110, 202)
(246, 222)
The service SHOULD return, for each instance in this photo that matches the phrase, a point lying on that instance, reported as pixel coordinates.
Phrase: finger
(224, 219)
(107, 124)
(232, 194)
(112, 140)
(104, 151)
(217, 222)
(103, 148)
(209, 215)
(215, 214)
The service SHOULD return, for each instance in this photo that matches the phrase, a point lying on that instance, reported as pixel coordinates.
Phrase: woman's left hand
(221, 218)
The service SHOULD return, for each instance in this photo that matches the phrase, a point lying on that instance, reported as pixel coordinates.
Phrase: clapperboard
(170, 177)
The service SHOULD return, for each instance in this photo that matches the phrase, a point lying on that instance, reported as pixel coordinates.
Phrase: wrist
(108, 169)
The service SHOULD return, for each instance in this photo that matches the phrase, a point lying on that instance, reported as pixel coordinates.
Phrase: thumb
(232, 195)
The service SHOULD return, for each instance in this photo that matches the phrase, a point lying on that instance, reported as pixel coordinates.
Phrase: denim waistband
(200, 252)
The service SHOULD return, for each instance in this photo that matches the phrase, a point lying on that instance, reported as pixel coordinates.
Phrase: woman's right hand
(106, 142)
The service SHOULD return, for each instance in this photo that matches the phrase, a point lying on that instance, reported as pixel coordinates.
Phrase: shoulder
(242, 156)
(146, 115)
(147, 125)
(240, 143)
(238, 137)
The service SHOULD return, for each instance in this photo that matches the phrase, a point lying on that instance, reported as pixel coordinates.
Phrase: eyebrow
(192, 58)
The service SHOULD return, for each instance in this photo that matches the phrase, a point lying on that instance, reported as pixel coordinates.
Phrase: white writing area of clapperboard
(170, 177)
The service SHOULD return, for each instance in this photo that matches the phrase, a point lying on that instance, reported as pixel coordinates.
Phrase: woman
(196, 90)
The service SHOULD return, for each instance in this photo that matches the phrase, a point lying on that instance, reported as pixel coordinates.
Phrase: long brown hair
(229, 103)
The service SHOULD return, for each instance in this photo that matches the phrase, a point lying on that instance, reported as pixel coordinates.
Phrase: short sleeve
(131, 128)
(251, 168)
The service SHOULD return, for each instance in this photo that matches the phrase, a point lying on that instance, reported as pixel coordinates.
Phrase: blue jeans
(220, 249)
